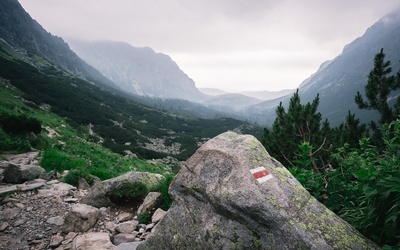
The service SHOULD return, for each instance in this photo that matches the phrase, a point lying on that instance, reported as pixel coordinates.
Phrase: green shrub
(75, 175)
(163, 188)
(310, 180)
(129, 192)
(21, 124)
(13, 144)
(367, 185)
(144, 218)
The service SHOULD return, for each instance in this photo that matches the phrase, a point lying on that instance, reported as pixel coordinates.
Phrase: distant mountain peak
(140, 71)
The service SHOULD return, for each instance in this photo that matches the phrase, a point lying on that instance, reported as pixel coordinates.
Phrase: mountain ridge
(19, 30)
(140, 71)
(338, 80)
(118, 119)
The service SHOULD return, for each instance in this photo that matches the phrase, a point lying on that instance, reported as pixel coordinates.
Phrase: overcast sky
(225, 44)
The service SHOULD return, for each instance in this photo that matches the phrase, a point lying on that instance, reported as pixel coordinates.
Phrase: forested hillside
(120, 121)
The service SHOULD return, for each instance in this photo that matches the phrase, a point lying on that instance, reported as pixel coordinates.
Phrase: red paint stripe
(260, 174)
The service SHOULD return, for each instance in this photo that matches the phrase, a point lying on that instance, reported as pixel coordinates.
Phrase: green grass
(73, 149)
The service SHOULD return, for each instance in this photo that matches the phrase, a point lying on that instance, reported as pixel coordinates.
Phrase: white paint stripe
(264, 178)
(255, 170)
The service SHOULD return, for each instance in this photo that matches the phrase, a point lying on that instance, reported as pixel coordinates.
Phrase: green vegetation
(68, 148)
(85, 129)
(129, 192)
(119, 119)
(144, 218)
(354, 174)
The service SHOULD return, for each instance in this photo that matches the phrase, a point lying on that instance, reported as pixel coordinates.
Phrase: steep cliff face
(138, 70)
(19, 30)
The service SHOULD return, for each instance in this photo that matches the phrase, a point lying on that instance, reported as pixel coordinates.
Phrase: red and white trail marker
(261, 174)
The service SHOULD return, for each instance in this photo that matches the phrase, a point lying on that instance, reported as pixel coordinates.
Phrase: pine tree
(300, 124)
(378, 88)
(350, 132)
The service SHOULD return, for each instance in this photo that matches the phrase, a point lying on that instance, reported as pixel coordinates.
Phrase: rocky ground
(33, 216)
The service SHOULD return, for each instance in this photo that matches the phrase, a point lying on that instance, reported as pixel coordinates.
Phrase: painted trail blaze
(261, 174)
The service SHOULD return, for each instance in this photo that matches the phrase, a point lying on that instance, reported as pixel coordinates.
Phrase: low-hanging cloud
(207, 38)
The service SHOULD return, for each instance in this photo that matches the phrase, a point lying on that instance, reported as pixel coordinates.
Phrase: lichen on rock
(231, 194)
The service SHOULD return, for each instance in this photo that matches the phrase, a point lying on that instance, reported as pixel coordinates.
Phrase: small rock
(21, 173)
(110, 226)
(93, 241)
(53, 182)
(124, 216)
(9, 199)
(151, 202)
(19, 205)
(71, 235)
(150, 226)
(103, 210)
(55, 241)
(58, 220)
(19, 222)
(9, 214)
(145, 235)
(158, 215)
(126, 227)
(123, 238)
(3, 226)
(81, 218)
(82, 184)
(58, 199)
(70, 200)
(128, 246)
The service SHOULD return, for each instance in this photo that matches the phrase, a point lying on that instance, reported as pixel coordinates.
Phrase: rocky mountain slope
(337, 81)
(19, 30)
(46, 213)
(28, 62)
(138, 70)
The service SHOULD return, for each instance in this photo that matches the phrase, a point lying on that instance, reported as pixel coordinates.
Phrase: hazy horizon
(232, 46)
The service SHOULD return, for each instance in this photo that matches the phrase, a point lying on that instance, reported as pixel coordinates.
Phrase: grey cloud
(190, 29)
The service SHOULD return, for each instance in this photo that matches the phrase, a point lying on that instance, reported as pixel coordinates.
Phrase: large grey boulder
(21, 173)
(232, 195)
(105, 193)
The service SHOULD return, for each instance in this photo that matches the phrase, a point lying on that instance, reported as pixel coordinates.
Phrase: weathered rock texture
(81, 218)
(21, 173)
(42, 214)
(100, 194)
(219, 204)
(93, 241)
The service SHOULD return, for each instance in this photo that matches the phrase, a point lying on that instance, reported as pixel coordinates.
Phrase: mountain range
(144, 72)
(52, 78)
(155, 80)
(140, 71)
(337, 81)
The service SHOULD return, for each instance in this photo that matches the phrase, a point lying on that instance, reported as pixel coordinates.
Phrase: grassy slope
(72, 148)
